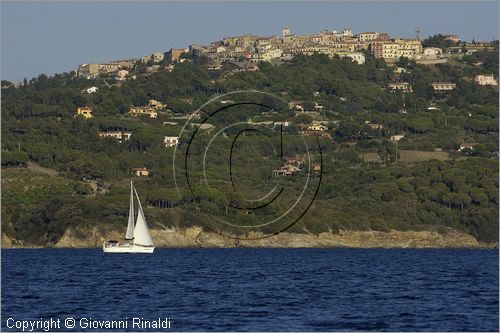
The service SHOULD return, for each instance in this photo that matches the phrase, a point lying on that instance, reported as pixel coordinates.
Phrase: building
(367, 36)
(88, 70)
(137, 111)
(84, 111)
(90, 90)
(140, 172)
(467, 146)
(443, 86)
(404, 87)
(173, 55)
(111, 67)
(247, 67)
(316, 167)
(156, 104)
(214, 67)
(409, 47)
(377, 47)
(374, 126)
(318, 107)
(357, 57)
(271, 54)
(119, 135)
(317, 127)
(432, 53)
(397, 137)
(453, 38)
(296, 105)
(157, 56)
(122, 74)
(286, 31)
(287, 170)
(296, 161)
(486, 80)
(171, 141)
(400, 70)
(390, 51)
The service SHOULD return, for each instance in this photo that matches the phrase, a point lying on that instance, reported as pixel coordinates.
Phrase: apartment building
(443, 86)
(486, 80)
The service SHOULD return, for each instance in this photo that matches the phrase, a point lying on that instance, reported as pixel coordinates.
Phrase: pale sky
(54, 37)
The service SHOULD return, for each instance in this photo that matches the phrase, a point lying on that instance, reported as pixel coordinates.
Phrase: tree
(387, 151)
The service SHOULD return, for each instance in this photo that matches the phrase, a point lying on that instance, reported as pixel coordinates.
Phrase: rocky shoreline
(195, 237)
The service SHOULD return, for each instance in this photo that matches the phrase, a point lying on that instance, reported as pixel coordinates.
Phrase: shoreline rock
(195, 237)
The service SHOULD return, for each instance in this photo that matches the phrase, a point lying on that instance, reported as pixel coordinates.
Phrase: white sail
(141, 231)
(130, 226)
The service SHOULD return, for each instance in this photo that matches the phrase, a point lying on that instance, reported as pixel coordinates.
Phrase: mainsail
(130, 226)
(141, 231)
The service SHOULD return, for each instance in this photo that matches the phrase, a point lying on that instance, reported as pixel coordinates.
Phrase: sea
(245, 289)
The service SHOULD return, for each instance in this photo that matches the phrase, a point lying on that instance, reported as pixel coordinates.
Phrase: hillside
(58, 174)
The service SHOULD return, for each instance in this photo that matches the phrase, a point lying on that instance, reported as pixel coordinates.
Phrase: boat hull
(127, 248)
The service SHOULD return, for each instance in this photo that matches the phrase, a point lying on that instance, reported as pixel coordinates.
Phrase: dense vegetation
(367, 183)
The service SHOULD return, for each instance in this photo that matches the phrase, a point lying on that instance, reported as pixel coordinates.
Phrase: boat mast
(130, 226)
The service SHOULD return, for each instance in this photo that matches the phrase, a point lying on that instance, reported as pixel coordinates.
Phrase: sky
(55, 37)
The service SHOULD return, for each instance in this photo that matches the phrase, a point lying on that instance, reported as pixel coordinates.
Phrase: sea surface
(255, 289)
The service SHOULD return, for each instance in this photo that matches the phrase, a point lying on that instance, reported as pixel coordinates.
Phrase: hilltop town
(248, 50)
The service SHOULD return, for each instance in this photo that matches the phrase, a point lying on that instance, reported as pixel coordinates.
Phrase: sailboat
(138, 239)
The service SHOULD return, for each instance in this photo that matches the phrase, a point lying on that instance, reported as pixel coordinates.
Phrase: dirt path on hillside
(40, 169)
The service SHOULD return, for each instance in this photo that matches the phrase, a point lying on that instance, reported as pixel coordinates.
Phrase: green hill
(76, 178)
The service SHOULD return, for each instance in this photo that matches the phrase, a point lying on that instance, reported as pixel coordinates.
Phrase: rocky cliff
(196, 237)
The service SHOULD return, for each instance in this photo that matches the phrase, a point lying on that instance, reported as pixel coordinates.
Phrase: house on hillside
(84, 111)
(122, 74)
(137, 111)
(486, 80)
(316, 167)
(295, 161)
(467, 146)
(404, 87)
(374, 126)
(140, 172)
(296, 105)
(119, 135)
(156, 104)
(432, 53)
(397, 137)
(287, 170)
(317, 127)
(90, 90)
(171, 141)
(443, 86)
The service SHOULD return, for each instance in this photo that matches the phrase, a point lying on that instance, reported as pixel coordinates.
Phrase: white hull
(127, 248)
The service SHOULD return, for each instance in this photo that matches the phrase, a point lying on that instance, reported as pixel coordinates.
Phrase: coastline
(195, 237)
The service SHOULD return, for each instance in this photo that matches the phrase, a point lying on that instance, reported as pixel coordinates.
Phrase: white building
(171, 141)
(118, 135)
(357, 57)
(486, 80)
(122, 74)
(157, 56)
(91, 90)
(432, 52)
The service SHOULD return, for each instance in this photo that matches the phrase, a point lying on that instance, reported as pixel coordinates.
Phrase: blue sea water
(257, 289)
